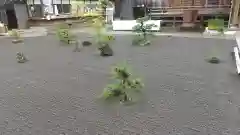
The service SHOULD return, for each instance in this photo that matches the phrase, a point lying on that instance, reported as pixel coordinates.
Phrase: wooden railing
(184, 8)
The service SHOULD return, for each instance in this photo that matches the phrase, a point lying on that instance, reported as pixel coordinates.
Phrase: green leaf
(137, 28)
(106, 94)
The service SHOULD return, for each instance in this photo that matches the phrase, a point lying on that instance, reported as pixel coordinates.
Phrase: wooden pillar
(171, 3)
(189, 16)
(203, 2)
(235, 11)
(220, 2)
(42, 8)
(117, 5)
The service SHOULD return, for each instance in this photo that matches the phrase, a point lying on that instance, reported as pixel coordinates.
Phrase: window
(30, 2)
(56, 2)
(37, 2)
(212, 2)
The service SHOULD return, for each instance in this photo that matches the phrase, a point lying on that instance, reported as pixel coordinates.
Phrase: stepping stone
(106, 51)
(86, 43)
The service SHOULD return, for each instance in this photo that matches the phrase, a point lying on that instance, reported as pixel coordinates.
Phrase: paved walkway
(32, 32)
(238, 38)
(42, 31)
(175, 34)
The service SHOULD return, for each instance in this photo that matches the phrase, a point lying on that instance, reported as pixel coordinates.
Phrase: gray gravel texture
(55, 92)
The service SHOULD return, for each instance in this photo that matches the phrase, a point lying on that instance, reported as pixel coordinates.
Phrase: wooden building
(186, 13)
(39, 8)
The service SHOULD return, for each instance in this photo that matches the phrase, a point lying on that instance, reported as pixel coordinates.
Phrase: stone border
(237, 59)
(237, 54)
(127, 25)
(3, 34)
(217, 33)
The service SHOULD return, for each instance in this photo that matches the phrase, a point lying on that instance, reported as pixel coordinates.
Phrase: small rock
(185, 89)
(86, 43)
(106, 51)
(15, 41)
(21, 58)
(214, 60)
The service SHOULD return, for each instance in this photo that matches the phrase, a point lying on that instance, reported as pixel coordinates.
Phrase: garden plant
(64, 35)
(214, 59)
(103, 5)
(16, 36)
(143, 31)
(218, 25)
(103, 45)
(124, 85)
(102, 38)
(21, 58)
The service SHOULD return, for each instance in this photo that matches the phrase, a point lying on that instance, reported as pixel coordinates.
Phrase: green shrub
(63, 33)
(21, 58)
(102, 38)
(15, 34)
(143, 31)
(124, 84)
(216, 24)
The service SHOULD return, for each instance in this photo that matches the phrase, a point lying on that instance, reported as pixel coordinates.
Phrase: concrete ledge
(3, 34)
(237, 58)
(194, 28)
(215, 32)
(127, 25)
(212, 32)
(238, 42)
(230, 32)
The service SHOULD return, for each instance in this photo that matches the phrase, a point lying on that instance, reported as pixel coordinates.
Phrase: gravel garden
(164, 87)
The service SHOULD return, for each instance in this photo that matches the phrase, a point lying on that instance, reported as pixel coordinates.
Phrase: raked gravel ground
(55, 93)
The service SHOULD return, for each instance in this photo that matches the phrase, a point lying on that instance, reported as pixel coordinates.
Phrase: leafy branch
(102, 39)
(124, 85)
(142, 30)
(64, 34)
(16, 36)
(21, 58)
